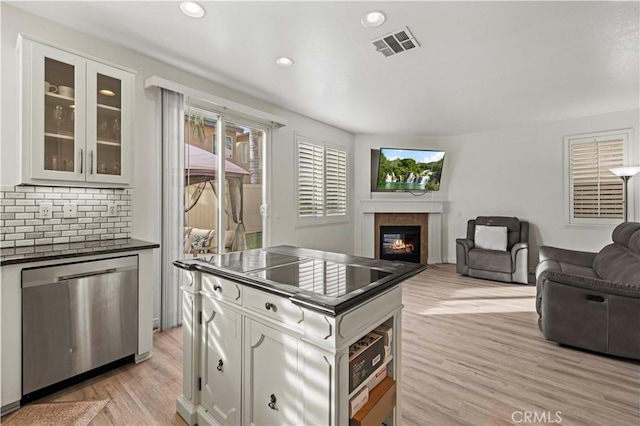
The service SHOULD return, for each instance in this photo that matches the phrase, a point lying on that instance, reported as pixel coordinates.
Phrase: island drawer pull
(219, 367)
(273, 404)
(216, 287)
(270, 306)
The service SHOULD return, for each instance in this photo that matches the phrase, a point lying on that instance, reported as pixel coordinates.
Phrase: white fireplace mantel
(434, 234)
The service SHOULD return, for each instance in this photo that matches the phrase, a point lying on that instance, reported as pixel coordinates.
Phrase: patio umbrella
(200, 168)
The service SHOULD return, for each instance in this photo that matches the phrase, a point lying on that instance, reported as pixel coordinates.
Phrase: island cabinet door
(272, 381)
(221, 362)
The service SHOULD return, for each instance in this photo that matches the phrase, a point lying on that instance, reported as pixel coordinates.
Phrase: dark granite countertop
(17, 255)
(327, 282)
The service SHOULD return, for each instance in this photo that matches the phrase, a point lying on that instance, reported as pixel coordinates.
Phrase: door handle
(219, 367)
(91, 162)
(81, 160)
(86, 274)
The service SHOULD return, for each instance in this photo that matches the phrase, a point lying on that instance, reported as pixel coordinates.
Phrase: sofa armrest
(580, 258)
(520, 263)
(463, 245)
(589, 283)
(466, 243)
(516, 248)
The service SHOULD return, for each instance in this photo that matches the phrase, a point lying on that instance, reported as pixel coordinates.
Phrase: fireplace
(400, 243)
(400, 223)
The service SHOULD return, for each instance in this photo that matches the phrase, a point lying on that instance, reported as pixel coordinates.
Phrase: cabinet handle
(91, 162)
(81, 160)
(269, 305)
(273, 402)
(216, 287)
(219, 367)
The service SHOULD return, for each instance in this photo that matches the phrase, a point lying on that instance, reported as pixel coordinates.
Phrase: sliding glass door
(224, 181)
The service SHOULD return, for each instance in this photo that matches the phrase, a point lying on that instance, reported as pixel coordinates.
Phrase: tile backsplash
(20, 225)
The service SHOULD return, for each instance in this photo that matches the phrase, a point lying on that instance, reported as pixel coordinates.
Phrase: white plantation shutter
(310, 180)
(336, 178)
(595, 192)
(322, 180)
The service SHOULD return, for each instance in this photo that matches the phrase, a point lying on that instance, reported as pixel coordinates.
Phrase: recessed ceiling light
(375, 18)
(192, 9)
(284, 61)
(106, 92)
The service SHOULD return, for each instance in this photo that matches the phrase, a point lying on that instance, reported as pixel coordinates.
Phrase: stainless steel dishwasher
(77, 317)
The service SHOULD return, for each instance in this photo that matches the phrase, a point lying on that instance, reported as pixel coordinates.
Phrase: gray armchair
(508, 266)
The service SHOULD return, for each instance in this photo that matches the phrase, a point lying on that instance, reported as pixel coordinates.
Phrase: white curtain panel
(172, 207)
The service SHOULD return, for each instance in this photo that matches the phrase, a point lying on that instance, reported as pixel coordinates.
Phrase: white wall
(520, 172)
(513, 172)
(146, 183)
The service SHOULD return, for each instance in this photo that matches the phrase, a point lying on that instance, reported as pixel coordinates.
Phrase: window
(595, 195)
(322, 181)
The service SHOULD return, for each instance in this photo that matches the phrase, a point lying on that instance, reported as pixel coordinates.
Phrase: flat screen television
(409, 170)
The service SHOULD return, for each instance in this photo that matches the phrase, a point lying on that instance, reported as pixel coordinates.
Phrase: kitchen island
(268, 335)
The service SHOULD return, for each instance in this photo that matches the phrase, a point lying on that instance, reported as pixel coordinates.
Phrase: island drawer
(222, 289)
(273, 306)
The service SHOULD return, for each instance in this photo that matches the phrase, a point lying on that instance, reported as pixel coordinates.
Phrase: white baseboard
(186, 411)
(9, 408)
(142, 357)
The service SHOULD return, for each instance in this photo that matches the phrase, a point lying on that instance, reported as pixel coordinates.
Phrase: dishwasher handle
(86, 274)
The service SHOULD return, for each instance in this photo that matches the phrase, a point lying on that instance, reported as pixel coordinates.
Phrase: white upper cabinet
(77, 119)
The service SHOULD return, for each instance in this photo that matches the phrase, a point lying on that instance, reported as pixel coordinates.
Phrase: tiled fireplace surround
(406, 212)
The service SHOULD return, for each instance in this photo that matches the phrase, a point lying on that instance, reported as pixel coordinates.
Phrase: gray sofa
(592, 300)
(508, 266)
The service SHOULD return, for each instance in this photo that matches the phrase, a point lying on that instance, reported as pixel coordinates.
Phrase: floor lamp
(625, 173)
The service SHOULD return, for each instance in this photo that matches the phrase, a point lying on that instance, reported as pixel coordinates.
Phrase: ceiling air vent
(395, 42)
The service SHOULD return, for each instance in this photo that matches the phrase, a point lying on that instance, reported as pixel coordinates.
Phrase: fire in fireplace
(400, 243)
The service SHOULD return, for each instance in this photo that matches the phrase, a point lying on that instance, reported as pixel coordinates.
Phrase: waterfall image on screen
(409, 170)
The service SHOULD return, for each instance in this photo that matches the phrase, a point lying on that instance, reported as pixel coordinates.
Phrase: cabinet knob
(216, 287)
(269, 305)
(273, 402)
(219, 367)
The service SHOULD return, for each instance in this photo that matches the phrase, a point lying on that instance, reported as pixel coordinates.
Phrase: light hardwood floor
(472, 355)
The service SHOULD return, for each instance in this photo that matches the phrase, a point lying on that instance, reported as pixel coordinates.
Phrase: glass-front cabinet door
(58, 114)
(76, 115)
(109, 128)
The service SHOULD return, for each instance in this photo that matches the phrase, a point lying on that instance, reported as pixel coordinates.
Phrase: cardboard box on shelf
(376, 378)
(358, 401)
(386, 332)
(387, 350)
(365, 356)
(381, 401)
